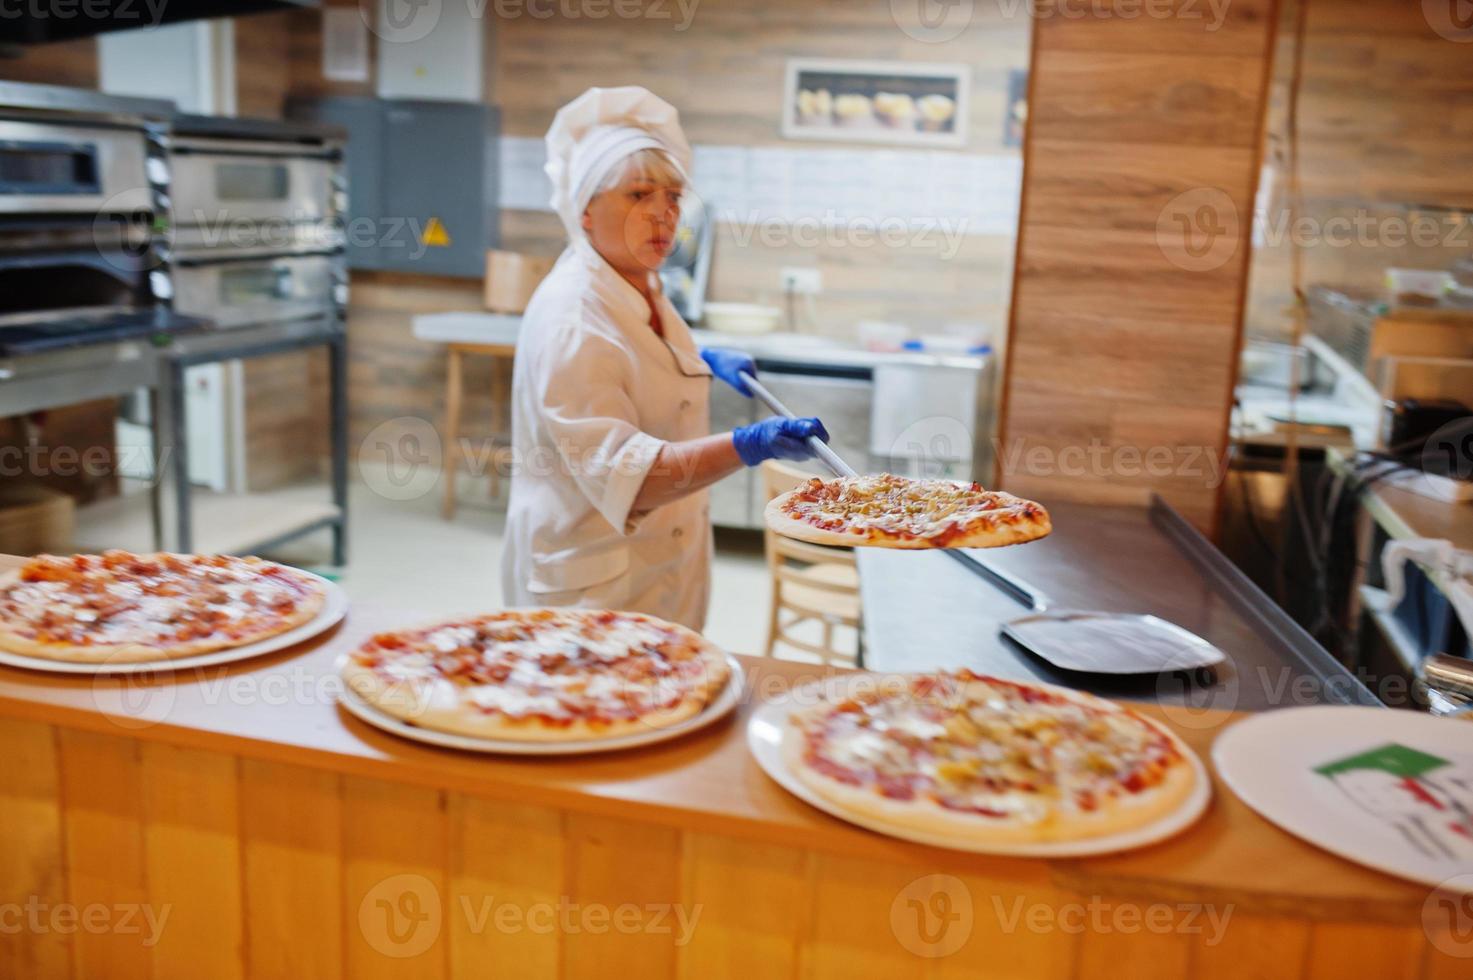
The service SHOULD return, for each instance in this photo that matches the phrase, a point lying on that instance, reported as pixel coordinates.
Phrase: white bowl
(748, 318)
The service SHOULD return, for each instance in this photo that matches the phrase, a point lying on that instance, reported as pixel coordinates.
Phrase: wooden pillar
(1140, 167)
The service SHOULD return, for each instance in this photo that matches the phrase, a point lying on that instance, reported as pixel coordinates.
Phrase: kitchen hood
(41, 21)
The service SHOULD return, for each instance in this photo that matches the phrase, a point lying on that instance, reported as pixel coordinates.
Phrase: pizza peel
(1084, 640)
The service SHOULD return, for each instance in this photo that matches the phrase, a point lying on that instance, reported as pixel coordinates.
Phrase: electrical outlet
(797, 279)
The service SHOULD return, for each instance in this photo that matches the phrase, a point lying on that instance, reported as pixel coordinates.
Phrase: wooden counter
(283, 838)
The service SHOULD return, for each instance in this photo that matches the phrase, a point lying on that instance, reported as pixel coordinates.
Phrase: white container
(879, 336)
(1413, 287)
(744, 318)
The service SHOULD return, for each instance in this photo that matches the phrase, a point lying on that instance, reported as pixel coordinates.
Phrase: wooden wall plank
(1118, 329)
(1248, 947)
(291, 839)
(101, 787)
(504, 855)
(71, 63)
(32, 860)
(754, 904)
(1015, 930)
(857, 930)
(193, 861)
(1345, 949)
(395, 849)
(1125, 950)
(611, 865)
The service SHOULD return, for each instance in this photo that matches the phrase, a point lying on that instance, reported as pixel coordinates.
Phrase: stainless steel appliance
(260, 251)
(85, 266)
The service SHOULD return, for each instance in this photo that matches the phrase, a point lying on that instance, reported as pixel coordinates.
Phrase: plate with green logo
(1392, 790)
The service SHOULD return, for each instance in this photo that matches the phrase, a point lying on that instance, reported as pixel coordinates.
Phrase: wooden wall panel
(33, 858)
(291, 828)
(71, 63)
(193, 862)
(612, 863)
(725, 73)
(106, 869)
(395, 844)
(1120, 342)
(289, 859)
(503, 855)
(756, 908)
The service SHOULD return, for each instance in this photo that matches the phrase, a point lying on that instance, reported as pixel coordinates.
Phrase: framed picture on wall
(876, 102)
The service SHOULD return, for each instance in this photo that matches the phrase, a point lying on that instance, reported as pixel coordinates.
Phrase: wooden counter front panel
(261, 869)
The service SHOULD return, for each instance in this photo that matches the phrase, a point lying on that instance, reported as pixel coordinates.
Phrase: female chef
(610, 428)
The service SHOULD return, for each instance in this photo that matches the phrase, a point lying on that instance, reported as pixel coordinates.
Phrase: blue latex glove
(777, 438)
(727, 364)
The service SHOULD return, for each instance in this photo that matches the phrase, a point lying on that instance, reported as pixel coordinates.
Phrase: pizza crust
(441, 705)
(306, 610)
(995, 536)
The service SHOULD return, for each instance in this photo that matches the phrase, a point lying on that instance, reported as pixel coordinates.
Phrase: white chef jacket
(596, 393)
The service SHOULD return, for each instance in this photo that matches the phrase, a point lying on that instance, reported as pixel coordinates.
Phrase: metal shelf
(225, 523)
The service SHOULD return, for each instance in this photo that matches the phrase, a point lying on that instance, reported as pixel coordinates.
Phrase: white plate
(1269, 760)
(333, 610)
(728, 699)
(769, 725)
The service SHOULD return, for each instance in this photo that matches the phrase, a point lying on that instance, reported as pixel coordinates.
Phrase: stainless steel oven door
(244, 292)
(63, 169)
(216, 184)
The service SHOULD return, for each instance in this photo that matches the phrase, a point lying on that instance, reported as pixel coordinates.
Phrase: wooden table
(455, 354)
(281, 837)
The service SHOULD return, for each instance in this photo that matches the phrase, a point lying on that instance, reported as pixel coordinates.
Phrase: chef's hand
(727, 364)
(777, 438)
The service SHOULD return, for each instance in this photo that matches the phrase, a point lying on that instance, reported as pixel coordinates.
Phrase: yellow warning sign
(435, 235)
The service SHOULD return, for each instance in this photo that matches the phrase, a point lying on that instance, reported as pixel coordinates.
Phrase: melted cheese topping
(987, 747)
(553, 665)
(155, 600)
(894, 505)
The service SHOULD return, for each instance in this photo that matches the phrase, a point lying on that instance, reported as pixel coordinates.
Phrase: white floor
(406, 554)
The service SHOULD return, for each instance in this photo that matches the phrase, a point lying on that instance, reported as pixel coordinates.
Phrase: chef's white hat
(598, 130)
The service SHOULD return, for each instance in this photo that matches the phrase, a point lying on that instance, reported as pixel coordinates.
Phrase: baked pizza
(888, 511)
(120, 607)
(980, 760)
(540, 675)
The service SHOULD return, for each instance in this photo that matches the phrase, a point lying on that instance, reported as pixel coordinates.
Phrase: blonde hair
(652, 165)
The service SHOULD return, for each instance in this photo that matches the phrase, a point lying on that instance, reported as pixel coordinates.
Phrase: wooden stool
(454, 399)
(811, 582)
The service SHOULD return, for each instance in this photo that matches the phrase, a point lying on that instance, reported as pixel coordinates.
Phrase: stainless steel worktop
(501, 329)
(924, 612)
